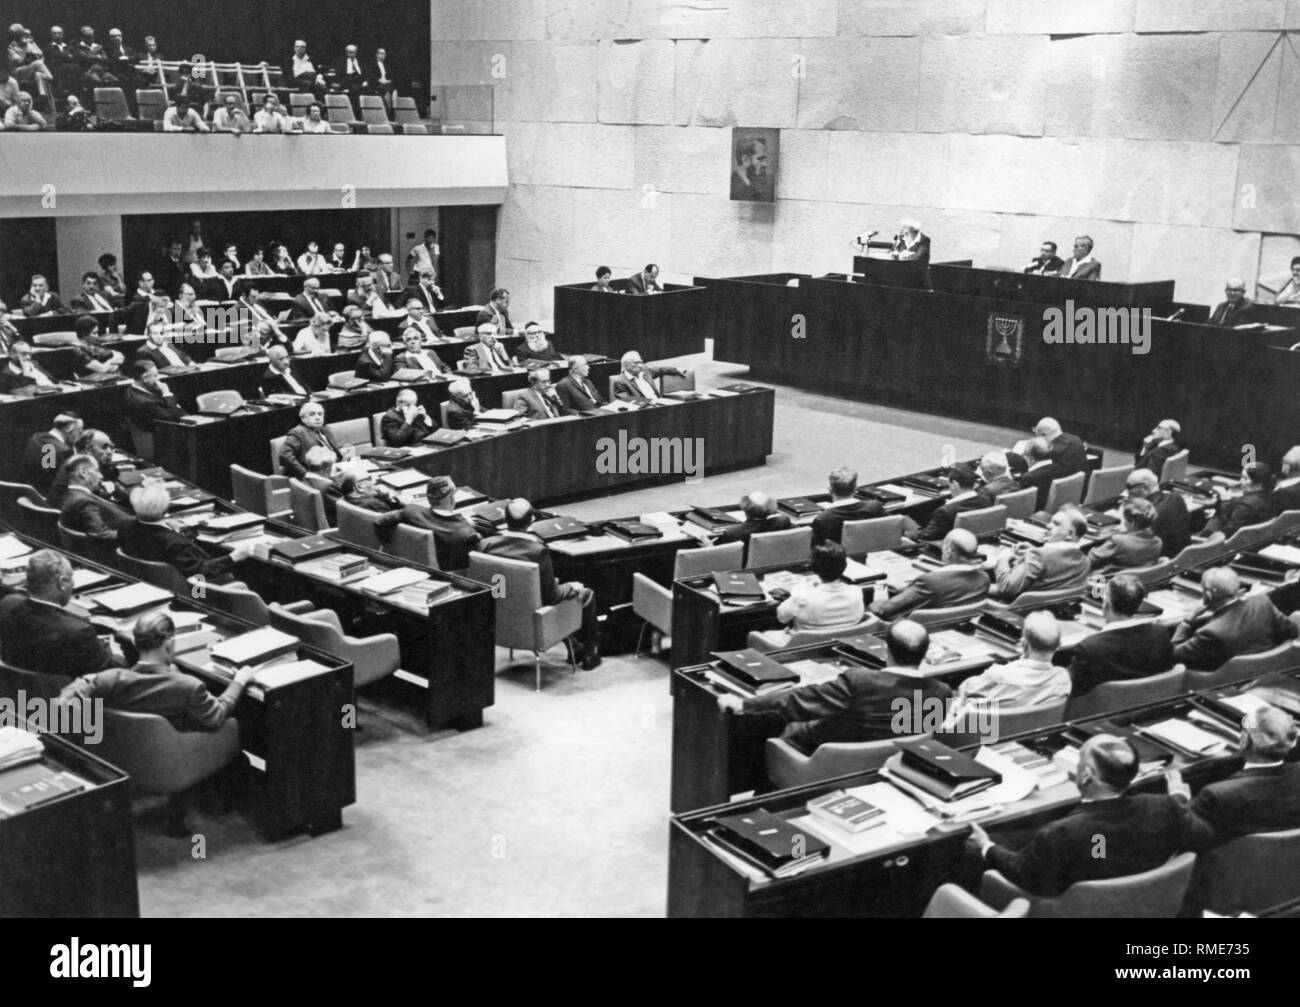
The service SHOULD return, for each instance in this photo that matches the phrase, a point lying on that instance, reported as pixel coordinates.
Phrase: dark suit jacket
(940, 588)
(920, 252)
(626, 391)
(159, 544)
(31, 309)
(1041, 480)
(1126, 549)
(151, 352)
(1250, 508)
(454, 537)
(742, 532)
(426, 297)
(42, 457)
(1173, 525)
(44, 638)
(536, 410)
(636, 284)
(345, 79)
(489, 313)
(397, 433)
(144, 408)
(273, 382)
(990, 491)
(82, 303)
(1141, 832)
(943, 518)
(300, 440)
(88, 512)
(215, 289)
(531, 551)
(1069, 455)
(301, 307)
(1261, 799)
(1243, 626)
(1286, 498)
(149, 688)
(1050, 267)
(548, 354)
(578, 396)
(857, 705)
(829, 524)
(1118, 655)
(1153, 456)
(1088, 271)
(371, 371)
(459, 417)
(1226, 315)
(11, 379)
(406, 360)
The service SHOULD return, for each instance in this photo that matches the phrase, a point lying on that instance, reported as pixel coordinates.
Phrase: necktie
(352, 66)
(546, 404)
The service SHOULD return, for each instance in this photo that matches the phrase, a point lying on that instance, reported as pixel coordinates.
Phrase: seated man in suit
(99, 446)
(154, 685)
(960, 581)
(962, 482)
(1236, 309)
(454, 535)
(377, 363)
(1081, 265)
(644, 282)
(1227, 624)
(827, 603)
(280, 376)
(462, 405)
(159, 350)
(148, 400)
(1037, 455)
(576, 389)
(425, 292)
(422, 321)
(407, 423)
(1254, 506)
(1134, 544)
(486, 356)
(46, 450)
(1047, 263)
(1140, 832)
(418, 357)
(1056, 565)
(495, 311)
(842, 482)
(860, 704)
(149, 537)
(83, 507)
(311, 302)
(1069, 454)
(1286, 492)
(1126, 647)
(1159, 446)
(995, 479)
(536, 349)
(354, 333)
(517, 542)
(22, 370)
(1262, 796)
(40, 299)
(1173, 523)
(90, 297)
(636, 381)
(910, 245)
(539, 401)
(760, 516)
(364, 492)
(37, 631)
(1030, 680)
(309, 433)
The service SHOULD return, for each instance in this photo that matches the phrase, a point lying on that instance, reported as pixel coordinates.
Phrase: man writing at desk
(645, 282)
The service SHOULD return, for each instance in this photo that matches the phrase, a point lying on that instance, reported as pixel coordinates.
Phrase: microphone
(862, 239)
(1176, 315)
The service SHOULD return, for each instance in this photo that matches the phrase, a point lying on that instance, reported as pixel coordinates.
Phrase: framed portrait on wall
(755, 154)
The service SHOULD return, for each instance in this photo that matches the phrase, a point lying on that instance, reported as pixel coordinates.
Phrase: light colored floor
(558, 805)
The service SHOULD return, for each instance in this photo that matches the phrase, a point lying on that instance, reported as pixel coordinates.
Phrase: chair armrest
(275, 483)
(997, 891)
(652, 602)
(552, 623)
(327, 616)
(380, 650)
(297, 607)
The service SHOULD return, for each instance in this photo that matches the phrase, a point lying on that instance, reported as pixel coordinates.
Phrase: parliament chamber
(426, 493)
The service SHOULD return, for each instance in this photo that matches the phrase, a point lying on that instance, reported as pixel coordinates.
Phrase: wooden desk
(74, 857)
(659, 326)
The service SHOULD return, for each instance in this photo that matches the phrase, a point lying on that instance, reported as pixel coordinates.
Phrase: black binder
(298, 550)
(739, 584)
(755, 669)
(632, 531)
(556, 528)
(798, 506)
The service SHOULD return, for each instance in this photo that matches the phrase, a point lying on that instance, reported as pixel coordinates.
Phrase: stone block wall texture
(1163, 128)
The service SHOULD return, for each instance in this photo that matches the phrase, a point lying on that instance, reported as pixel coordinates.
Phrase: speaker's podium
(666, 324)
(890, 272)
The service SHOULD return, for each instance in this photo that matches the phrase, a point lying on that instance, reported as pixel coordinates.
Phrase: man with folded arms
(407, 423)
(1141, 831)
(960, 581)
(860, 704)
(1126, 647)
(1056, 565)
(1134, 544)
(37, 631)
(844, 505)
(1227, 624)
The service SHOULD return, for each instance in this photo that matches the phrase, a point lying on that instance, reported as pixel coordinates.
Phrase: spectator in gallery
(1047, 262)
(230, 118)
(180, 118)
(271, 119)
(313, 123)
(303, 72)
(22, 117)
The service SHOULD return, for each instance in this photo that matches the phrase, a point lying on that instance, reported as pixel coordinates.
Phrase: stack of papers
(18, 746)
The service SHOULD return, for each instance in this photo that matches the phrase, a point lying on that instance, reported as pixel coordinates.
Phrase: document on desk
(910, 496)
(12, 548)
(905, 816)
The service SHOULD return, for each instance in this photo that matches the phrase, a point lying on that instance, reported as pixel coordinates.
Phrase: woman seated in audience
(314, 339)
(91, 356)
(257, 266)
(284, 264)
(825, 602)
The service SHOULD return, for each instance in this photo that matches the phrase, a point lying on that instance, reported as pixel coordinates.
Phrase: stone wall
(1163, 128)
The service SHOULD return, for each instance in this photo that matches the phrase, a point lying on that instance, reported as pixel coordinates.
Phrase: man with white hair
(997, 480)
(377, 363)
(635, 383)
(1235, 309)
(407, 423)
(149, 537)
(1228, 624)
(280, 378)
(462, 405)
(309, 433)
(910, 245)
(303, 72)
(1173, 524)
(1068, 453)
(487, 355)
(1286, 491)
(1081, 265)
(1159, 446)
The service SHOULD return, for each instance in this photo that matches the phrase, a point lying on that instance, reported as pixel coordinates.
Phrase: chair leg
(568, 645)
(537, 670)
(636, 654)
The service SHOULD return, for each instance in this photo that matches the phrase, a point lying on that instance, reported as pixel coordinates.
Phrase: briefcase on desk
(942, 771)
(557, 528)
(755, 669)
(633, 531)
(299, 550)
(798, 506)
(738, 585)
(711, 519)
(881, 496)
(927, 484)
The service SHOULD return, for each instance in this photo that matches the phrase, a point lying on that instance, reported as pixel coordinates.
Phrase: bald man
(1031, 679)
(860, 704)
(1110, 834)
(760, 516)
(1235, 309)
(1068, 453)
(1227, 624)
(960, 581)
